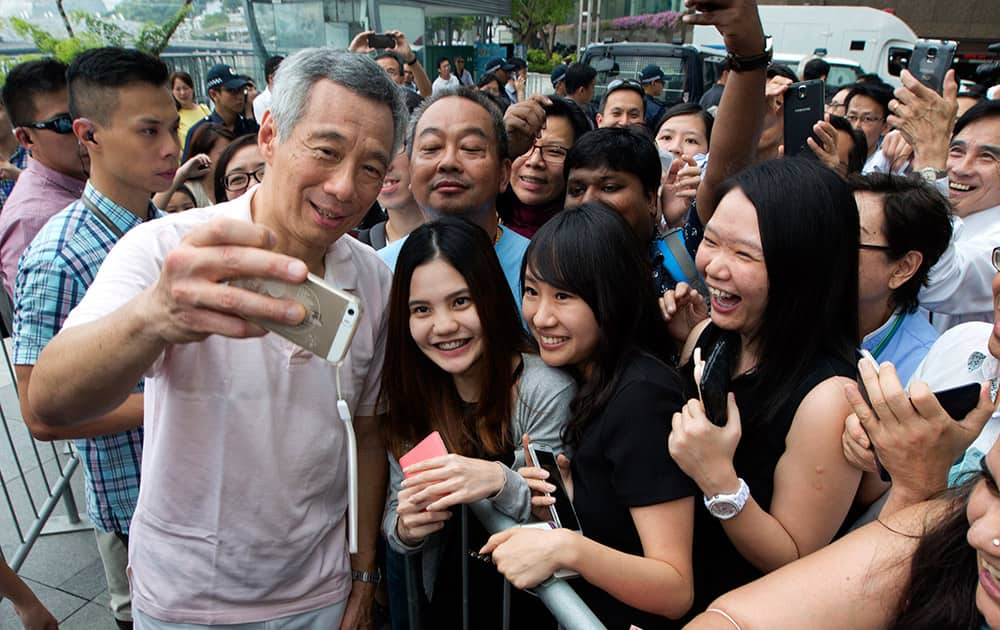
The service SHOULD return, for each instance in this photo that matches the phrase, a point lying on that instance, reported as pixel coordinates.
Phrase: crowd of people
(731, 351)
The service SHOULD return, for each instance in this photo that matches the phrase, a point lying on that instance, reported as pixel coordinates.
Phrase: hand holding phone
(331, 318)
(804, 105)
(381, 40)
(930, 61)
(562, 512)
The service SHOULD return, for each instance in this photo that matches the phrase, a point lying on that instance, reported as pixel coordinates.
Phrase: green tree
(93, 32)
(528, 17)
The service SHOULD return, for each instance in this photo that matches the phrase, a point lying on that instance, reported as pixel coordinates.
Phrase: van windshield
(613, 67)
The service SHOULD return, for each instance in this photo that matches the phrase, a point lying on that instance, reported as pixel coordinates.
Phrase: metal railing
(34, 476)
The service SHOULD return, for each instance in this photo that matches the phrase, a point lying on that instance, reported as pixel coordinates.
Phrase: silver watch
(726, 506)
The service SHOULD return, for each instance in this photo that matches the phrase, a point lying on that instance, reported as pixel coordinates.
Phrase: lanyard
(103, 217)
(885, 340)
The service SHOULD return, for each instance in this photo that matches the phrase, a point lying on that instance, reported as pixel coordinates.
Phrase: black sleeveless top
(718, 565)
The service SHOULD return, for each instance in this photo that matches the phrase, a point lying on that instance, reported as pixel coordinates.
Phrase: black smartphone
(804, 106)
(381, 40)
(562, 511)
(715, 377)
(959, 401)
(930, 61)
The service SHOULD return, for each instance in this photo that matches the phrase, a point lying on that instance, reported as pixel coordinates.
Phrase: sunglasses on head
(624, 83)
(60, 123)
(996, 258)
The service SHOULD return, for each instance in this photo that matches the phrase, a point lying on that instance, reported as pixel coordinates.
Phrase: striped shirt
(52, 277)
(18, 158)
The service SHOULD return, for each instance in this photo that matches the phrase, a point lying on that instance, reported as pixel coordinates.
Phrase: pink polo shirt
(39, 194)
(242, 507)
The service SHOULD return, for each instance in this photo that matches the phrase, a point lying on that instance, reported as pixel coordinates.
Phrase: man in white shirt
(445, 78)
(263, 100)
(242, 515)
(959, 287)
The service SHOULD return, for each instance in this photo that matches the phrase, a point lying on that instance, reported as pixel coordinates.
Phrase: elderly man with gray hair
(242, 516)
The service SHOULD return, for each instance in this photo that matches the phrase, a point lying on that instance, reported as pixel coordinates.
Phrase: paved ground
(64, 570)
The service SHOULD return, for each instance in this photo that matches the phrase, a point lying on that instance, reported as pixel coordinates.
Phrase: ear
(23, 137)
(905, 268)
(213, 94)
(267, 137)
(504, 176)
(599, 117)
(84, 131)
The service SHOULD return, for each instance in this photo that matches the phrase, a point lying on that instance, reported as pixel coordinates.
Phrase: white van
(871, 37)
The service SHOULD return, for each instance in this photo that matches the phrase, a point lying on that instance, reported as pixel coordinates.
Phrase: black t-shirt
(622, 462)
(718, 565)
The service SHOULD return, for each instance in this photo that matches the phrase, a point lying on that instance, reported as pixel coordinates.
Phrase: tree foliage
(529, 17)
(93, 32)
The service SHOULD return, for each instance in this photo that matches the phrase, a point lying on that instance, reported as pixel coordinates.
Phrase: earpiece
(90, 135)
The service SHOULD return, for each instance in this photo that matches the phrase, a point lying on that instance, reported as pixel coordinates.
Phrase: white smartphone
(332, 315)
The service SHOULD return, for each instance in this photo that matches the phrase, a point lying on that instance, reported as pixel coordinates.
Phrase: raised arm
(741, 112)
(186, 301)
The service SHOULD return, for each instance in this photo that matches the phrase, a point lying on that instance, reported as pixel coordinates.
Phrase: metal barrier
(558, 596)
(23, 460)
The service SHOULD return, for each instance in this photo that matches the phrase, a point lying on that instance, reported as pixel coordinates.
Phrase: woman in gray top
(459, 362)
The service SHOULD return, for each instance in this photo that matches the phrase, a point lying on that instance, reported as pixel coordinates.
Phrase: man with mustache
(460, 162)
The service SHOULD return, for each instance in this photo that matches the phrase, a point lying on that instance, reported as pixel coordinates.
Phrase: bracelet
(503, 485)
(369, 577)
(411, 61)
(726, 615)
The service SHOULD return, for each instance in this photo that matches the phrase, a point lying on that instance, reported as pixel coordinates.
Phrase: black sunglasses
(624, 83)
(60, 123)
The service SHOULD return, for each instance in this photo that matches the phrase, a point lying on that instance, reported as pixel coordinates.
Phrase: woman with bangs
(780, 260)
(590, 306)
(458, 362)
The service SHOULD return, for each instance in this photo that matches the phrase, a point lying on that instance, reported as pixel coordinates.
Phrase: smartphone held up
(332, 315)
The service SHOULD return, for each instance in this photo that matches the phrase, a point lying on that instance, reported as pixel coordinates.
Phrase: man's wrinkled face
(455, 167)
(974, 167)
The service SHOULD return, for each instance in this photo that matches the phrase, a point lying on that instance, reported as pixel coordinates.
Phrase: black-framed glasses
(60, 123)
(864, 120)
(996, 258)
(878, 248)
(551, 153)
(618, 84)
(240, 181)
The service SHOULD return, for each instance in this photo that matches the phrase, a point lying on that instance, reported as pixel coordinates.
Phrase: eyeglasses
(879, 248)
(865, 120)
(996, 258)
(551, 153)
(624, 83)
(60, 123)
(240, 181)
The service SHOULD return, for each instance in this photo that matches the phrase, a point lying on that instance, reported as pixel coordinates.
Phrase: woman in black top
(780, 258)
(590, 307)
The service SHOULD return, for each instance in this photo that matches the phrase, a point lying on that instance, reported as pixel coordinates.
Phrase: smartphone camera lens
(932, 53)
(350, 311)
(802, 92)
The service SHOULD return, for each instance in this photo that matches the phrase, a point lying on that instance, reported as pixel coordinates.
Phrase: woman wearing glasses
(537, 183)
(240, 166)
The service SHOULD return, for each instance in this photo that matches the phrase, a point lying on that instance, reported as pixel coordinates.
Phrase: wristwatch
(412, 60)
(726, 506)
(932, 174)
(752, 62)
(371, 577)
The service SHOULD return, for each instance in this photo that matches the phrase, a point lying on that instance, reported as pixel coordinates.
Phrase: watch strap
(749, 63)
(738, 500)
(932, 174)
(370, 577)
(412, 60)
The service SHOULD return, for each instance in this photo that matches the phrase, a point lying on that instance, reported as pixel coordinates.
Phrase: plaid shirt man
(52, 276)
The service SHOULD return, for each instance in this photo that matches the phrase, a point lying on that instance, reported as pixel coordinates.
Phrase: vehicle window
(628, 67)
(840, 76)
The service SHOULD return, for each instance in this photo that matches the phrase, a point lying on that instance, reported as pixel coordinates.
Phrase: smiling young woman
(458, 362)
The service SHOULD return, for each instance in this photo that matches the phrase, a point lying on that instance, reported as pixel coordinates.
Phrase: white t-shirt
(959, 288)
(440, 84)
(243, 499)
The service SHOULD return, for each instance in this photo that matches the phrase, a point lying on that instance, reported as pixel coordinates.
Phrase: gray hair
(481, 99)
(358, 73)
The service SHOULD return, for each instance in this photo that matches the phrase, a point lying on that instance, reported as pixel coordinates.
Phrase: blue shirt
(510, 250)
(908, 345)
(18, 158)
(52, 277)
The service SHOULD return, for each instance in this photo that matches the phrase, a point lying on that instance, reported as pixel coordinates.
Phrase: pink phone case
(430, 446)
